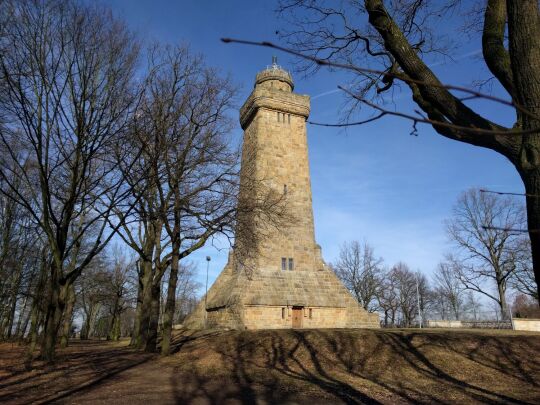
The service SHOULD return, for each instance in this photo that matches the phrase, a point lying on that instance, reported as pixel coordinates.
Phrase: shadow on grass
(314, 366)
(86, 365)
(357, 367)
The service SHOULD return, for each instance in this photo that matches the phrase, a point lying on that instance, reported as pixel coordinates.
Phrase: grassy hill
(316, 366)
(362, 366)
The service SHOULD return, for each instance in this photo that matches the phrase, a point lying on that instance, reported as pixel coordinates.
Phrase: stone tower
(289, 285)
(275, 145)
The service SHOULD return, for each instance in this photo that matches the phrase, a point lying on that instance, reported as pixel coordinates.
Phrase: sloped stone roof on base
(303, 288)
(234, 290)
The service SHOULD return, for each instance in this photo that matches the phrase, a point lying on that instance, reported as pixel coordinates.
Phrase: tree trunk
(96, 307)
(52, 324)
(502, 301)
(153, 320)
(135, 335)
(114, 326)
(55, 310)
(24, 326)
(22, 316)
(145, 284)
(145, 295)
(36, 312)
(532, 188)
(524, 50)
(13, 301)
(84, 335)
(68, 316)
(33, 333)
(168, 314)
(89, 323)
(115, 332)
(456, 312)
(4, 315)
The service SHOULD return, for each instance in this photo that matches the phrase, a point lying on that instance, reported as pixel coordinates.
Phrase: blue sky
(374, 182)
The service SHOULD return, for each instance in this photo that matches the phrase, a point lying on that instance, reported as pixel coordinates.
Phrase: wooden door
(297, 317)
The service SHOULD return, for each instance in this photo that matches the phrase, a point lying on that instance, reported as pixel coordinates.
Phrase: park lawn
(288, 366)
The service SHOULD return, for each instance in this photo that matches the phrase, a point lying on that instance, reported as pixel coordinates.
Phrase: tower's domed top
(275, 76)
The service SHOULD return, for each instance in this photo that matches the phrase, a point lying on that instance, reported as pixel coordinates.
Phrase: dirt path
(81, 365)
(308, 366)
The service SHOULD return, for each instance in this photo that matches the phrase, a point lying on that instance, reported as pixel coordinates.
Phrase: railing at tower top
(275, 66)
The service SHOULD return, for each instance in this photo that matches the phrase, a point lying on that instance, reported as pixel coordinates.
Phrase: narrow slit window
(289, 118)
(282, 313)
(284, 189)
(283, 263)
(278, 117)
(310, 313)
(291, 264)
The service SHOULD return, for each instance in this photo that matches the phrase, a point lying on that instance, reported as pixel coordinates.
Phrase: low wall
(487, 324)
(444, 324)
(532, 325)
(470, 324)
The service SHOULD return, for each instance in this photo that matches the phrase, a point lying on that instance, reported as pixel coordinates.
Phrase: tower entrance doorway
(297, 317)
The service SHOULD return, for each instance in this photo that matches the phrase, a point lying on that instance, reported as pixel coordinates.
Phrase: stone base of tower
(271, 317)
(270, 299)
(267, 317)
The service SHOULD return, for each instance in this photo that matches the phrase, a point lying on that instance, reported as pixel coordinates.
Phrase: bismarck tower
(288, 285)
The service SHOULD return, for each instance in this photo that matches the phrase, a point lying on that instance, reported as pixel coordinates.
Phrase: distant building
(287, 284)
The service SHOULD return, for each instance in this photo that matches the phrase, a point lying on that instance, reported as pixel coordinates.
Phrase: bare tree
(105, 291)
(190, 188)
(523, 277)
(384, 43)
(406, 291)
(425, 296)
(402, 294)
(483, 230)
(388, 298)
(66, 95)
(78, 253)
(92, 295)
(360, 271)
(473, 304)
(186, 298)
(189, 191)
(449, 290)
(19, 251)
(525, 306)
(121, 289)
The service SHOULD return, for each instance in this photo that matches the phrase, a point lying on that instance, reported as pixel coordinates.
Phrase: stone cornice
(276, 100)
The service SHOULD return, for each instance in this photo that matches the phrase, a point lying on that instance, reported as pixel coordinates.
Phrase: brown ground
(288, 366)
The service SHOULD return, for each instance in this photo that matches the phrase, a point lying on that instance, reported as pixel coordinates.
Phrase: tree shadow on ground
(85, 364)
(296, 366)
(277, 377)
(353, 367)
(416, 364)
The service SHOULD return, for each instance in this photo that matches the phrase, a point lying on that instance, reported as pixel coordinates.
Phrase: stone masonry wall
(280, 317)
(229, 317)
(271, 317)
(275, 134)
